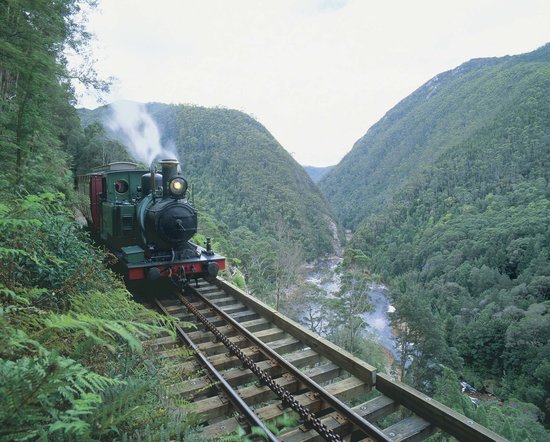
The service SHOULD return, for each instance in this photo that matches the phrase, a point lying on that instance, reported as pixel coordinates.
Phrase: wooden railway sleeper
(228, 390)
(286, 397)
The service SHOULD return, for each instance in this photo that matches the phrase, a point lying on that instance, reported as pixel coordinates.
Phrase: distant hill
(316, 173)
(449, 197)
(241, 175)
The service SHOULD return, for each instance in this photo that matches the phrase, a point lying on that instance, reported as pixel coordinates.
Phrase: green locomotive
(146, 220)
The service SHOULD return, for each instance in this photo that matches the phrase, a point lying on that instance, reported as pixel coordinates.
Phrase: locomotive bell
(169, 171)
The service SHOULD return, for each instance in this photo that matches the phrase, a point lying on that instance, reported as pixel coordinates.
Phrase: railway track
(257, 366)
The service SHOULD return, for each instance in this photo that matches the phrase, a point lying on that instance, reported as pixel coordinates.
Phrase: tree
(35, 84)
(288, 260)
(306, 304)
(95, 149)
(346, 308)
(447, 391)
(527, 348)
(419, 333)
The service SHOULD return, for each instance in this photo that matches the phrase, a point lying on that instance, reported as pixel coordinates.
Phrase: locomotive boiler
(147, 221)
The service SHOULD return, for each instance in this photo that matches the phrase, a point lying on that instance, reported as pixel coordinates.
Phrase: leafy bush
(48, 396)
(40, 246)
(68, 330)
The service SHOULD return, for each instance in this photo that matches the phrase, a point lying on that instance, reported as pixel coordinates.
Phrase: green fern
(10, 296)
(13, 254)
(55, 295)
(47, 202)
(7, 223)
(50, 394)
(115, 304)
(122, 403)
(41, 246)
(103, 331)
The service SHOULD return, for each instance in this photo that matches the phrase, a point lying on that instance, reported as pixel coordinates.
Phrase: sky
(316, 73)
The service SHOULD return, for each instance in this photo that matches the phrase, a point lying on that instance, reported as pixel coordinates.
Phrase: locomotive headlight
(178, 187)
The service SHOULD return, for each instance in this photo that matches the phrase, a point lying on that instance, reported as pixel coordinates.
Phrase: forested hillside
(449, 109)
(245, 176)
(450, 193)
(71, 362)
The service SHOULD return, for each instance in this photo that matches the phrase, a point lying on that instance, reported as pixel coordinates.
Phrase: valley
(442, 207)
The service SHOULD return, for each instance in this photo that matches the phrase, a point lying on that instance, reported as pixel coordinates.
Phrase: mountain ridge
(418, 125)
(449, 195)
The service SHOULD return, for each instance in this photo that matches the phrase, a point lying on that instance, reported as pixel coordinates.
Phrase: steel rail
(361, 423)
(265, 379)
(233, 396)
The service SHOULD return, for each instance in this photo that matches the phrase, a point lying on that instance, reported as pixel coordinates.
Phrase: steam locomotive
(146, 220)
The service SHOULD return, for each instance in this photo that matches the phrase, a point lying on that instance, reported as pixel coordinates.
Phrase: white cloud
(317, 74)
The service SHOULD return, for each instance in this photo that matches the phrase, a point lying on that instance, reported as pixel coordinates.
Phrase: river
(325, 276)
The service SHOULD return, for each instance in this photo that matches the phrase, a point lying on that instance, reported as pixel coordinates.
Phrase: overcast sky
(316, 73)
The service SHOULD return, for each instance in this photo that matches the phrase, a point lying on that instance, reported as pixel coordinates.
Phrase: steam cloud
(142, 136)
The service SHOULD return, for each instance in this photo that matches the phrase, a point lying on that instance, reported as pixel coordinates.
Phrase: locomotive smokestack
(169, 171)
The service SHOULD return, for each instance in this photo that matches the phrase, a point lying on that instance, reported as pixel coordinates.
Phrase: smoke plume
(131, 122)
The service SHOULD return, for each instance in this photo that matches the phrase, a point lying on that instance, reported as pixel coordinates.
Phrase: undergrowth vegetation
(72, 363)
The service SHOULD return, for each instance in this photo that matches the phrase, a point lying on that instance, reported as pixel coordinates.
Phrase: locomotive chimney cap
(169, 162)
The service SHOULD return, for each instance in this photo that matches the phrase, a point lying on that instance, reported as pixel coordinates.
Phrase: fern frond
(16, 223)
(104, 332)
(4, 209)
(118, 406)
(49, 393)
(7, 252)
(118, 305)
(72, 421)
(85, 325)
(12, 297)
